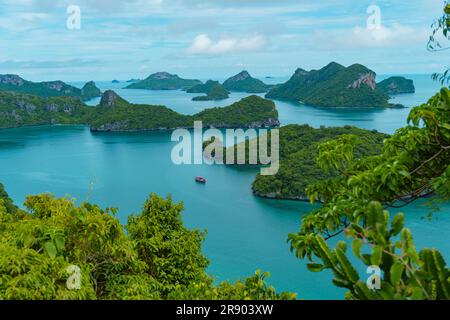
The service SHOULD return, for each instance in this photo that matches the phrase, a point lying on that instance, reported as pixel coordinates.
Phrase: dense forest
(115, 114)
(298, 151)
(334, 86)
(53, 246)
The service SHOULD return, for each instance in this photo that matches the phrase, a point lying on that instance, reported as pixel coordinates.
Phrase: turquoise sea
(245, 233)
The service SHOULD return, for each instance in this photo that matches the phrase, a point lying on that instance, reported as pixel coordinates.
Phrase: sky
(42, 40)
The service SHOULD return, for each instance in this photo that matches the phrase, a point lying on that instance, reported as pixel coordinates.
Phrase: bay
(245, 233)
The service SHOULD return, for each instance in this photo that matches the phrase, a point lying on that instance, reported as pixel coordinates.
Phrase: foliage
(441, 28)
(164, 81)
(171, 252)
(252, 288)
(298, 149)
(6, 200)
(407, 274)
(158, 258)
(333, 86)
(244, 82)
(413, 164)
(18, 109)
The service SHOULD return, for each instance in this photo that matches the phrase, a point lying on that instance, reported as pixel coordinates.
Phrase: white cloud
(203, 44)
(361, 37)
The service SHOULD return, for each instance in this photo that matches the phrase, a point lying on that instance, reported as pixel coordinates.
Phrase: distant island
(90, 91)
(334, 86)
(116, 114)
(164, 81)
(12, 82)
(115, 81)
(397, 85)
(213, 90)
(244, 82)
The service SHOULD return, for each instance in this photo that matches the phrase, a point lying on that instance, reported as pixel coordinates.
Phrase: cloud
(203, 44)
(363, 38)
(33, 64)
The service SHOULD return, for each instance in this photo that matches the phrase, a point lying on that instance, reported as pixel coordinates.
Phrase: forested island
(298, 150)
(244, 82)
(164, 81)
(397, 85)
(12, 82)
(213, 90)
(298, 153)
(334, 86)
(115, 114)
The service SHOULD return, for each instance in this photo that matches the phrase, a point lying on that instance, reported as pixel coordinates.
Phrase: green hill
(298, 151)
(397, 85)
(115, 114)
(333, 86)
(11, 82)
(244, 82)
(164, 81)
(213, 90)
(18, 109)
(90, 91)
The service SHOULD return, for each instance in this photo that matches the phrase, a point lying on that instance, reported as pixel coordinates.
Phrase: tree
(413, 164)
(441, 28)
(54, 242)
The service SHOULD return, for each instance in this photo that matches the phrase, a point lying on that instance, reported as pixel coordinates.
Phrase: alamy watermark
(245, 147)
(73, 21)
(374, 280)
(74, 280)
(374, 19)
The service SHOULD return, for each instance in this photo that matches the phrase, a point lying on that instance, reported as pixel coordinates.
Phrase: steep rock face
(12, 79)
(109, 99)
(367, 79)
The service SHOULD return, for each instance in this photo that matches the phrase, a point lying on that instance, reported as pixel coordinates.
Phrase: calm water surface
(244, 233)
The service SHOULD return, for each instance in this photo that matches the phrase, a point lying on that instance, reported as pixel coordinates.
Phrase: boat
(200, 180)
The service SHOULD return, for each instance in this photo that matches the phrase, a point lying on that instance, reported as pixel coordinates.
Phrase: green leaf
(377, 254)
(357, 247)
(315, 267)
(50, 249)
(396, 273)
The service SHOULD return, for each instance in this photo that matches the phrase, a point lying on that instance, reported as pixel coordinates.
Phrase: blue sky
(212, 38)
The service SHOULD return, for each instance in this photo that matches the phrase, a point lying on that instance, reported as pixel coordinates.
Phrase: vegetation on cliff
(90, 91)
(298, 151)
(115, 114)
(11, 82)
(397, 85)
(333, 86)
(244, 82)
